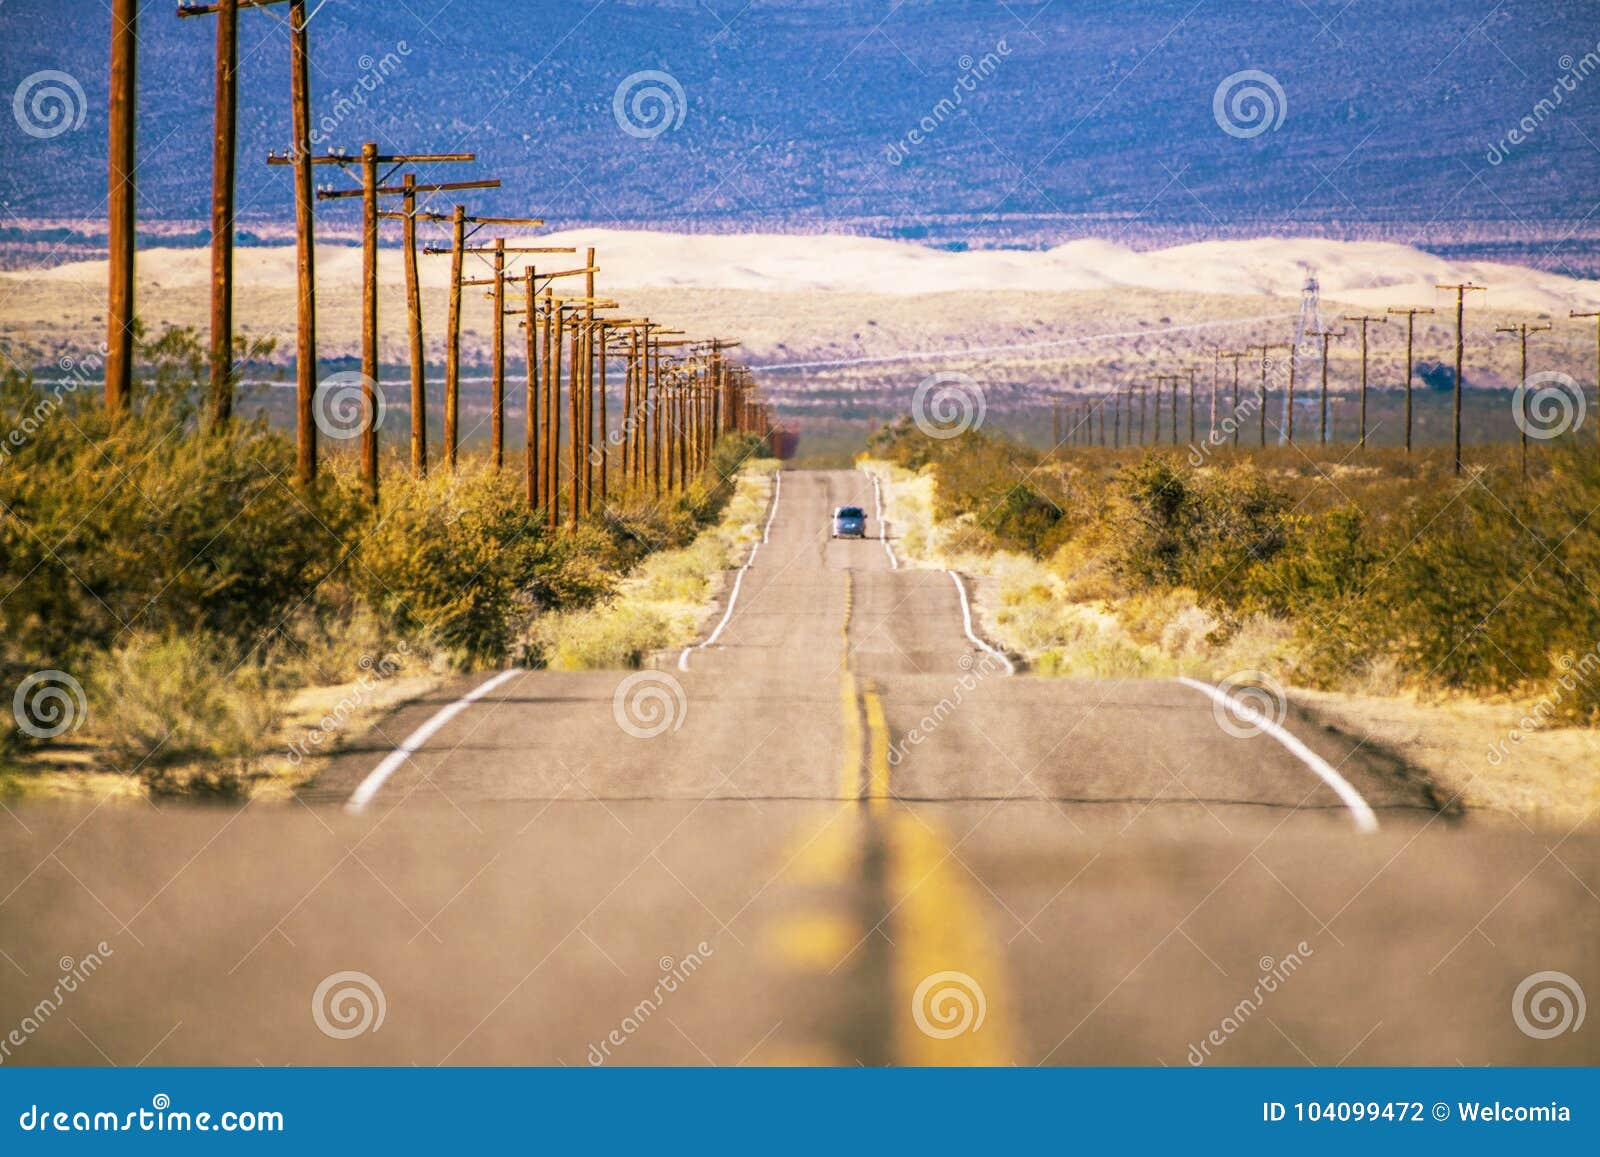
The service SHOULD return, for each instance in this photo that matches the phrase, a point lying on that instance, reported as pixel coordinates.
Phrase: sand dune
(1371, 274)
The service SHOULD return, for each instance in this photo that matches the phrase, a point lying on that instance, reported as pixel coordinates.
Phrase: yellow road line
(850, 761)
(877, 751)
(952, 1005)
(950, 1002)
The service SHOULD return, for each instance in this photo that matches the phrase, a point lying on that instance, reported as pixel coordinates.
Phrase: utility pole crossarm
(399, 190)
(212, 9)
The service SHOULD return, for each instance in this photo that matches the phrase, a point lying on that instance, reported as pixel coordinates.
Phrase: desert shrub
(146, 523)
(458, 562)
(156, 701)
(1369, 571)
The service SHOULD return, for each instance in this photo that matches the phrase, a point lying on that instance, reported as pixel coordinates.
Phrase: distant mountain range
(962, 122)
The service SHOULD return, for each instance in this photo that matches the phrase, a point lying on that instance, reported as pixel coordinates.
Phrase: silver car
(849, 522)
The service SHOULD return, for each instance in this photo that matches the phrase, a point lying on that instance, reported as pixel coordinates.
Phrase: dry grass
(1502, 756)
(662, 604)
(1030, 608)
(1545, 777)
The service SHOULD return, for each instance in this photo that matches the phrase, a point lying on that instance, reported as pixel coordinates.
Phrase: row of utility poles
(1085, 423)
(677, 395)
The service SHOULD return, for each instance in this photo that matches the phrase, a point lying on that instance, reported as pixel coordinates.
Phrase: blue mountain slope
(980, 121)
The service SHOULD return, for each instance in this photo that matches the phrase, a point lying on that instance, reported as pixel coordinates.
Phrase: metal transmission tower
(1305, 343)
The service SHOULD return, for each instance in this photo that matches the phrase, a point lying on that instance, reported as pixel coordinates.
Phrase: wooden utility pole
(305, 354)
(1173, 406)
(1596, 316)
(1461, 292)
(1293, 363)
(588, 384)
(457, 250)
(496, 253)
(1327, 335)
(419, 374)
(544, 388)
(223, 182)
(1192, 370)
(1234, 357)
(1216, 373)
(371, 189)
(1365, 321)
(1410, 313)
(121, 214)
(531, 356)
(1523, 331)
(223, 165)
(1261, 391)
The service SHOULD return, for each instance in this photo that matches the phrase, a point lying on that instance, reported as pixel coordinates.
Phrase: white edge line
(738, 579)
(883, 524)
(1366, 821)
(966, 624)
(412, 743)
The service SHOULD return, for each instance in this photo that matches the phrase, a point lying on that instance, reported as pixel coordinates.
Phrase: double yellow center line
(945, 969)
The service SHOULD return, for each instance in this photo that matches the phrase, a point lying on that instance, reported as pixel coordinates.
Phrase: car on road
(849, 522)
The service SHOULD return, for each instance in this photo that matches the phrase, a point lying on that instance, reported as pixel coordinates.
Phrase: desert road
(840, 830)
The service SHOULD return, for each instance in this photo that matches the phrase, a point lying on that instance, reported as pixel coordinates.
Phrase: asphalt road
(842, 833)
